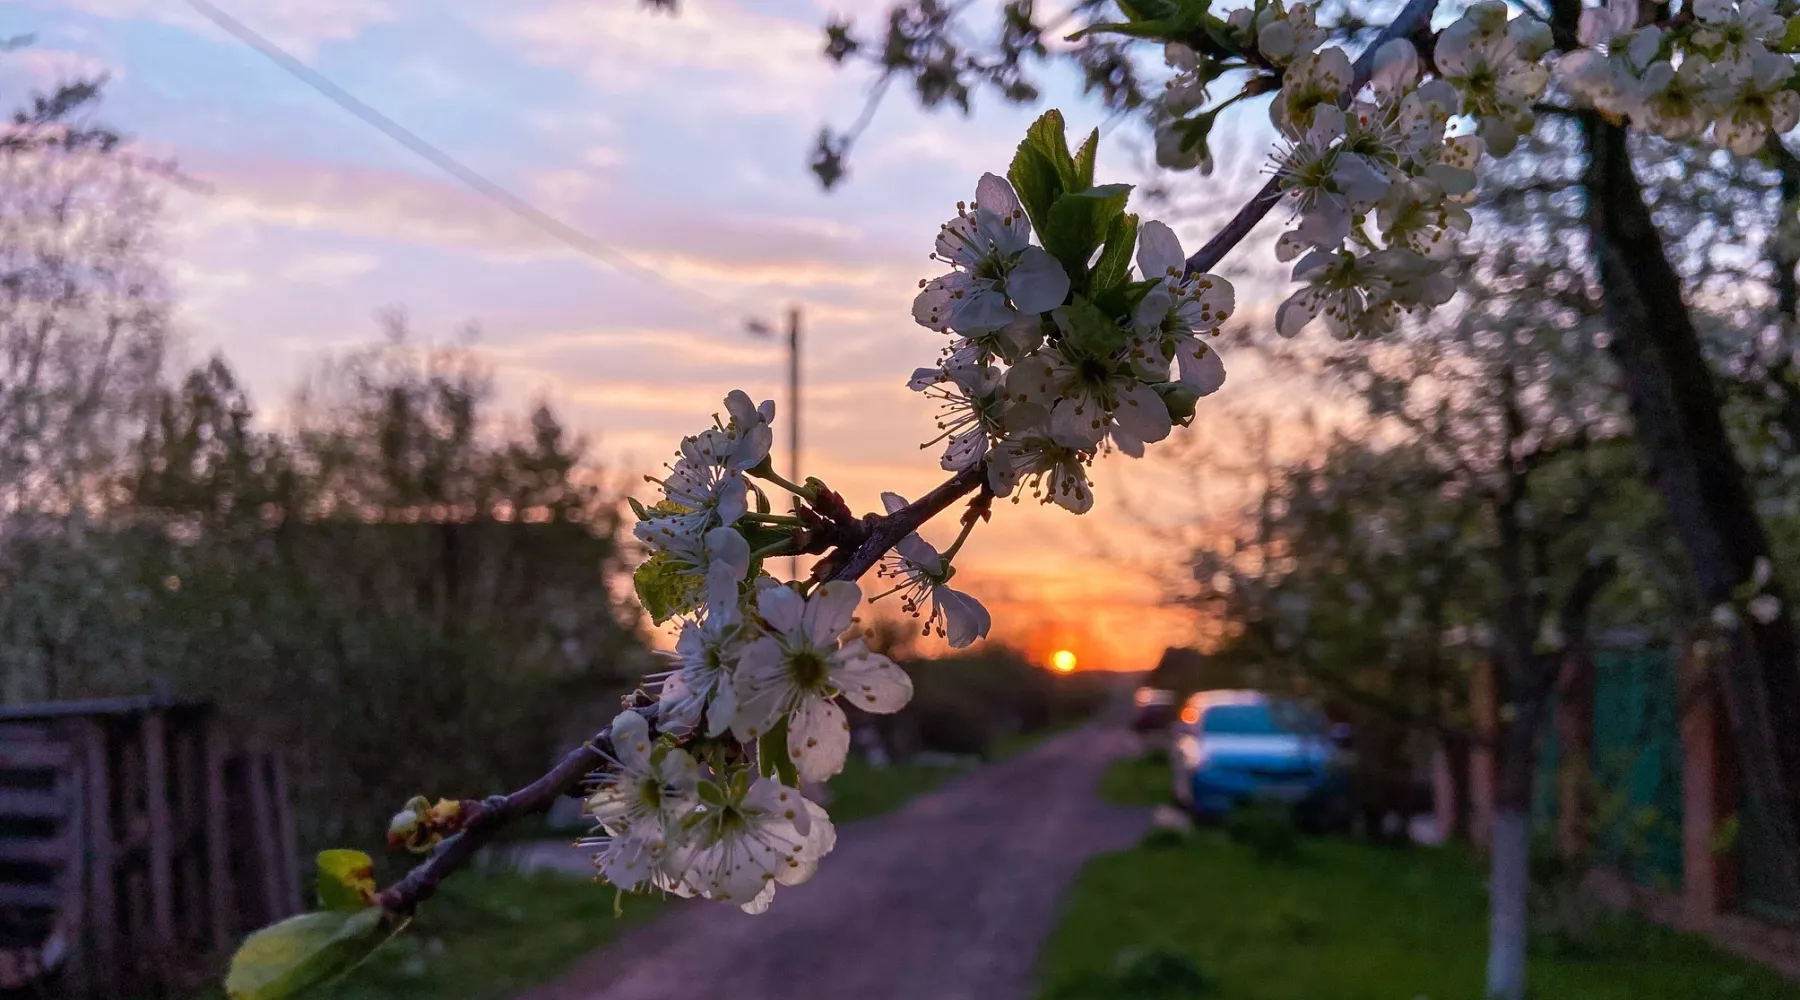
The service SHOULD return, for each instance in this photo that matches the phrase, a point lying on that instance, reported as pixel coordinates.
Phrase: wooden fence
(137, 843)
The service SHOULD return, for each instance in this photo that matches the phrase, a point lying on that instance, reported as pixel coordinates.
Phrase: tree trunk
(1677, 412)
(1509, 875)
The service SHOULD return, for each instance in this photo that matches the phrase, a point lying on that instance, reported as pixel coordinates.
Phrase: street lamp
(760, 329)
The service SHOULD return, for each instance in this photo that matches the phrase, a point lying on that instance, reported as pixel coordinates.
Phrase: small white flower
(924, 589)
(648, 785)
(798, 669)
(721, 558)
(1317, 79)
(1677, 102)
(1495, 66)
(1055, 473)
(746, 835)
(1756, 105)
(1325, 185)
(1732, 34)
(699, 685)
(999, 275)
(1173, 315)
(1284, 35)
(972, 411)
(1084, 394)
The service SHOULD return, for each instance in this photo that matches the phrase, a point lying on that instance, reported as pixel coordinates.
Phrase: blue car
(1234, 747)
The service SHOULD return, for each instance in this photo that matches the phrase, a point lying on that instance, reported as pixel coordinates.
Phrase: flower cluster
(1038, 382)
(1375, 182)
(1720, 67)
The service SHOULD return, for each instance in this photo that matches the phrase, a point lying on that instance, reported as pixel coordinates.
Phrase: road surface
(948, 898)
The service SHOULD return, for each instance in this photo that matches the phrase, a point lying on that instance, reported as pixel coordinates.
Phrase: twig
(485, 819)
(1415, 16)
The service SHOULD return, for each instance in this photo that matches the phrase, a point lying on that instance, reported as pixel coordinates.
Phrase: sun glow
(1063, 661)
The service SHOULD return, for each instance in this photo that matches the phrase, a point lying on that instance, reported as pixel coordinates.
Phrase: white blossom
(798, 669)
(1083, 394)
(923, 577)
(746, 835)
(1055, 473)
(699, 685)
(1175, 314)
(1757, 104)
(998, 274)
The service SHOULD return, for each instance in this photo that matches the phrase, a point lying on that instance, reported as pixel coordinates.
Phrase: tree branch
(1413, 18)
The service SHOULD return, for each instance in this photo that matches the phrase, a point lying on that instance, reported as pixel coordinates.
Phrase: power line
(491, 190)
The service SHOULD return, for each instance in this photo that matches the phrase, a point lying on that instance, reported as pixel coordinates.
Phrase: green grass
(1346, 921)
(1138, 781)
(486, 936)
(862, 791)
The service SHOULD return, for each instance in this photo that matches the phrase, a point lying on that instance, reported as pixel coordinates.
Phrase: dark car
(1155, 710)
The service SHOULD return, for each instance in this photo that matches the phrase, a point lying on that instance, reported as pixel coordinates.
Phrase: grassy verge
(1138, 781)
(489, 935)
(1203, 917)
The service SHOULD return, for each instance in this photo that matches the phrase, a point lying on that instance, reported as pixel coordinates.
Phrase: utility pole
(761, 329)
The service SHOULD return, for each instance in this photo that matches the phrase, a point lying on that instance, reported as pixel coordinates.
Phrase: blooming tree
(1057, 349)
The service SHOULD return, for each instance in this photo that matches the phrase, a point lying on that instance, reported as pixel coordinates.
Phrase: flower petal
(818, 739)
(965, 620)
(873, 683)
(782, 608)
(994, 194)
(1142, 413)
(1159, 252)
(1202, 370)
(631, 740)
(830, 610)
(892, 502)
(1036, 282)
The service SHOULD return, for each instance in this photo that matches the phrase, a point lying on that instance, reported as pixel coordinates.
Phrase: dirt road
(948, 898)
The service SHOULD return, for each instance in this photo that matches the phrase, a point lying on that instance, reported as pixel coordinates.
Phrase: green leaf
(1179, 400)
(1114, 266)
(663, 589)
(1084, 161)
(1140, 10)
(1159, 29)
(1049, 136)
(637, 507)
(1034, 178)
(1077, 225)
(1087, 330)
(305, 952)
(1790, 39)
(772, 755)
(346, 880)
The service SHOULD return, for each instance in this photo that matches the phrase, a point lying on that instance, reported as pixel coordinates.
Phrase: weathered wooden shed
(138, 841)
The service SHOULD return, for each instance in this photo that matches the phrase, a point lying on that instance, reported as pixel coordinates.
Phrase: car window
(1238, 720)
(1260, 720)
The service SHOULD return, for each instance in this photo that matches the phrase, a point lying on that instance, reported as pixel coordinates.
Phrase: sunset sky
(681, 142)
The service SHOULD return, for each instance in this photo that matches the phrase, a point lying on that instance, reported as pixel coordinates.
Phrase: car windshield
(1258, 720)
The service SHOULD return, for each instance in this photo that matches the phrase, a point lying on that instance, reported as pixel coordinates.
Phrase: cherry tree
(1058, 350)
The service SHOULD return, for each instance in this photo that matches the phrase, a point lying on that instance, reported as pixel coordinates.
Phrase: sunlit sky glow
(681, 142)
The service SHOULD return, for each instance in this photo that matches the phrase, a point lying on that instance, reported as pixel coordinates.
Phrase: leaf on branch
(772, 754)
(663, 589)
(1049, 135)
(1114, 266)
(305, 952)
(1084, 161)
(1157, 29)
(1078, 223)
(1143, 10)
(346, 880)
(1034, 179)
(1090, 331)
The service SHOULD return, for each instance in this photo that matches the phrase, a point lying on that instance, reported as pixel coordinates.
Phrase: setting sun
(1063, 661)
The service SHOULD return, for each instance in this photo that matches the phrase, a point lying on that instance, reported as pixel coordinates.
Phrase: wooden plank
(35, 850)
(102, 908)
(32, 805)
(70, 882)
(162, 833)
(42, 895)
(262, 814)
(22, 756)
(290, 850)
(218, 848)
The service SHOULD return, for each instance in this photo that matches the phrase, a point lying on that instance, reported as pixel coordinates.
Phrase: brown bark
(1677, 412)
